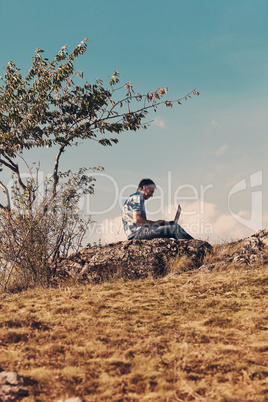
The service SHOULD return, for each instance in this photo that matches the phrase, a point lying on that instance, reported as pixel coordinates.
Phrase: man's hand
(160, 222)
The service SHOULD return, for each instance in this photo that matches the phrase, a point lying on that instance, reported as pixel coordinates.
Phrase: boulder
(12, 386)
(130, 259)
(134, 259)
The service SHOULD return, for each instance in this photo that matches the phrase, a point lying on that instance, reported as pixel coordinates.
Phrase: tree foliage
(48, 108)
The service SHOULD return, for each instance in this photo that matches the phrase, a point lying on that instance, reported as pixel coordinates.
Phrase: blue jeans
(167, 230)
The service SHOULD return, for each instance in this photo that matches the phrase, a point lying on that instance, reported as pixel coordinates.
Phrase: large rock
(130, 259)
(11, 386)
(139, 258)
(244, 252)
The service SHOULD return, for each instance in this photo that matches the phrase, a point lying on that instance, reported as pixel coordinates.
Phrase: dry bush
(31, 239)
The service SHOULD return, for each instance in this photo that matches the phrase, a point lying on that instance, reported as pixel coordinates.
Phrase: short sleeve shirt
(135, 202)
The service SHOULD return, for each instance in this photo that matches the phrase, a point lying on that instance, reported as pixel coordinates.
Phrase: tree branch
(5, 190)
(15, 168)
(154, 105)
(11, 165)
(56, 170)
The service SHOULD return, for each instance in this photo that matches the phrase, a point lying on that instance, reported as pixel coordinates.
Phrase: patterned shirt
(135, 202)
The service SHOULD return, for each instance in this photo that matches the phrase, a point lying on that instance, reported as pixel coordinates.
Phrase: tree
(49, 109)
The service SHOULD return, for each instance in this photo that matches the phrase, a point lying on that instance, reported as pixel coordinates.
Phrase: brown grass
(199, 337)
(222, 251)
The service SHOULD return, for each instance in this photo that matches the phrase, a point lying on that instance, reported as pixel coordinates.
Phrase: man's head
(147, 187)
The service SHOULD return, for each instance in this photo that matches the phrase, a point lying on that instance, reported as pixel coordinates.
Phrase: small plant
(95, 244)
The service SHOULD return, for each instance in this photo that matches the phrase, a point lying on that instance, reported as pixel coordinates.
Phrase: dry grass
(222, 251)
(199, 337)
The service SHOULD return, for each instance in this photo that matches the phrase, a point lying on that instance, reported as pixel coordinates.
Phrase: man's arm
(137, 218)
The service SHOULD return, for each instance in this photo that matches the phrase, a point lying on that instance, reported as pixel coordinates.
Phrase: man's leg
(169, 230)
(180, 232)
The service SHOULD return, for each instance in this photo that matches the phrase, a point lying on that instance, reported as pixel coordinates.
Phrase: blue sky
(213, 141)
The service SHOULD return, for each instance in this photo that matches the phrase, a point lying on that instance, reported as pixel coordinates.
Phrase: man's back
(135, 202)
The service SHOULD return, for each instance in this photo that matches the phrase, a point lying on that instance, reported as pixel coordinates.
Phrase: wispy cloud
(214, 123)
(159, 122)
(220, 151)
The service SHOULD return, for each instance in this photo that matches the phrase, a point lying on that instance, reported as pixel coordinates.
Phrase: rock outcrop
(12, 386)
(130, 259)
(247, 252)
(139, 258)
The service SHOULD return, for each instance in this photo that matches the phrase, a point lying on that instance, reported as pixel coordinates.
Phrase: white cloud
(204, 221)
(107, 231)
(159, 122)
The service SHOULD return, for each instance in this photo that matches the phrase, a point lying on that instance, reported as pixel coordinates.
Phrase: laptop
(178, 213)
(176, 219)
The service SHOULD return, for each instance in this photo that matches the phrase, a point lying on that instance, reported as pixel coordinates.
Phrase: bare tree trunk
(56, 171)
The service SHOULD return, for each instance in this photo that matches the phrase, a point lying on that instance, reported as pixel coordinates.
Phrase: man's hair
(146, 182)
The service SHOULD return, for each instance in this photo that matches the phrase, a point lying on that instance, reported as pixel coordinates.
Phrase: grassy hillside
(198, 337)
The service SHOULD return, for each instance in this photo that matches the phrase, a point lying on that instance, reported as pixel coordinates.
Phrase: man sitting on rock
(137, 226)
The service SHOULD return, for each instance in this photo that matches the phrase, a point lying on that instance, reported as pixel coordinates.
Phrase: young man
(136, 224)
